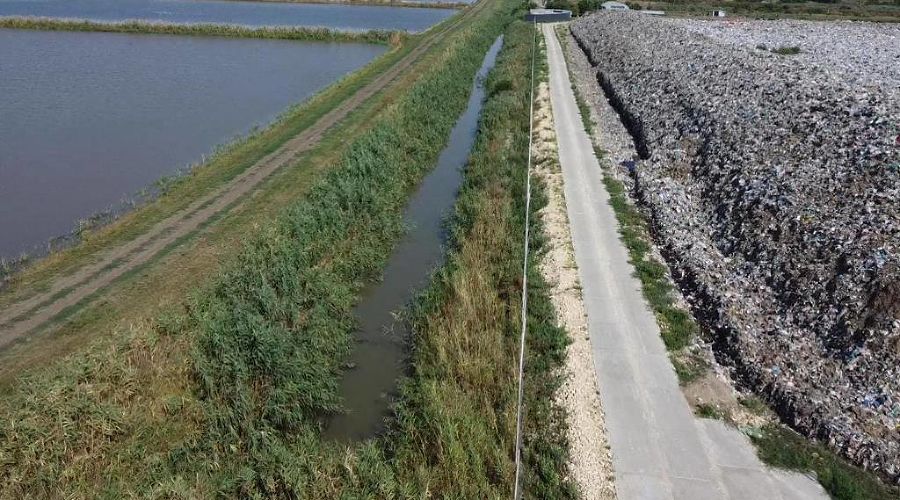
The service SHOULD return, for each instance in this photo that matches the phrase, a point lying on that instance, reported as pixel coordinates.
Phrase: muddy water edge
(379, 357)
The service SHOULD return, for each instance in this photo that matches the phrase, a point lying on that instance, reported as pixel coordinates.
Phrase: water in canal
(89, 118)
(379, 356)
(345, 17)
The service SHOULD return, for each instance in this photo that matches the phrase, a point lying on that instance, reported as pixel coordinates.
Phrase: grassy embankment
(776, 445)
(225, 394)
(118, 325)
(782, 447)
(316, 34)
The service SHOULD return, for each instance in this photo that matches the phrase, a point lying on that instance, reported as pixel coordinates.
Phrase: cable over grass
(317, 34)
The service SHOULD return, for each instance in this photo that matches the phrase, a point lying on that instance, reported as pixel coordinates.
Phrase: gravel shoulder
(589, 452)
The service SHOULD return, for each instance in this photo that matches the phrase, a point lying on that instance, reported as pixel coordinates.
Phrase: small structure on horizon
(718, 13)
(614, 6)
(548, 15)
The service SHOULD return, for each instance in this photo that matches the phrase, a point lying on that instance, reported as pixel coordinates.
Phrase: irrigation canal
(344, 17)
(379, 358)
(87, 119)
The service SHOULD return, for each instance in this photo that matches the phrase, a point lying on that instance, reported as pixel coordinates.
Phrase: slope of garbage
(774, 189)
(860, 53)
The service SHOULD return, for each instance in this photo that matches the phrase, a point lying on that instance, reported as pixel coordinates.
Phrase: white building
(614, 6)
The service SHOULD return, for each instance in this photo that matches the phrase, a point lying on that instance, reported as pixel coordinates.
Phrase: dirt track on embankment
(21, 317)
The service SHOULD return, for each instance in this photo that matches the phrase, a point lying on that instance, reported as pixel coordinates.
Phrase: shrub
(787, 51)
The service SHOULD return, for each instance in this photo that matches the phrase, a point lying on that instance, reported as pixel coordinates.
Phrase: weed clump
(677, 325)
(710, 411)
(787, 51)
(782, 447)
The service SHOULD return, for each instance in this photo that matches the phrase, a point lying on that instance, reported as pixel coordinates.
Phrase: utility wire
(517, 493)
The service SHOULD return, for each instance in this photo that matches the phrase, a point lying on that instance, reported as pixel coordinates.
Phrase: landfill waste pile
(773, 187)
(858, 52)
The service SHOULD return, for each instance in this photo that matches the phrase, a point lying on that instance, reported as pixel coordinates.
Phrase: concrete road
(660, 450)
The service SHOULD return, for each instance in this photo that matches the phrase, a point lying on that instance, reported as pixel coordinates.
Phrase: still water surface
(379, 357)
(345, 17)
(87, 119)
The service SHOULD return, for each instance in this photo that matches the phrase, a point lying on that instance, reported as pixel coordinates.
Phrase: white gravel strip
(590, 456)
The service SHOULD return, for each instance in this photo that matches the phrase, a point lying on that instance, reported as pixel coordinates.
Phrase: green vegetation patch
(459, 407)
(782, 447)
(786, 51)
(224, 30)
(273, 330)
(689, 366)
(677, 325)
(711, 411)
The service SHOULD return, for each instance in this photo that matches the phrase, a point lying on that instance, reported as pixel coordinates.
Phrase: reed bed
(410, 4)
(317, 34)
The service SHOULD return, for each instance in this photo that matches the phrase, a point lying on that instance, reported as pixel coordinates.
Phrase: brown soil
(24, 316)
(711, 391)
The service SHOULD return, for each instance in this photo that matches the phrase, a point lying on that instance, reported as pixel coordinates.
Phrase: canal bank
(133, 416)
(379, 358)
(120, 259)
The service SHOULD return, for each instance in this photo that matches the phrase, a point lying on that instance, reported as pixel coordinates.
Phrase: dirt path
(20, 318)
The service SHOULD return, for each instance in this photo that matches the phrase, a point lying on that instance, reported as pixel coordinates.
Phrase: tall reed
(317, 34)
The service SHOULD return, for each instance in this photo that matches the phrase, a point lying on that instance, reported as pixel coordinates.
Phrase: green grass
(706, 410)
(781, 447)
(224, 393)
(688, 366)
(221, 30)
(754, 404)
(677, 325)
(786, 51)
